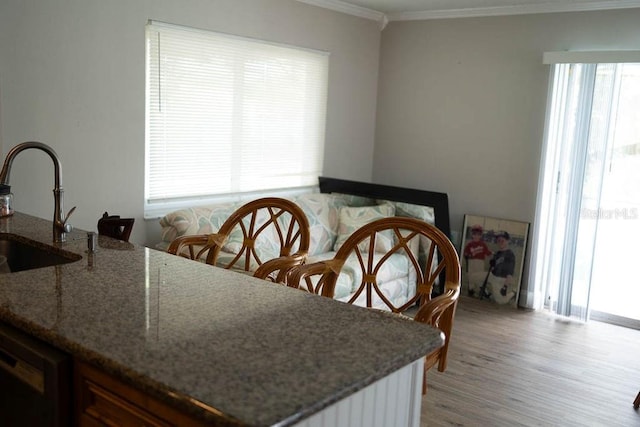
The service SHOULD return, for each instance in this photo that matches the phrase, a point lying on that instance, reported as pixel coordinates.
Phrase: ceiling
(402, 10)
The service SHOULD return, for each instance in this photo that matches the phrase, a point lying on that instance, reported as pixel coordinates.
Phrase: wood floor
(511, 367)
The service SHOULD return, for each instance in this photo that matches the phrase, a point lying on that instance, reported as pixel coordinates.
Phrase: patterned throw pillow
(178, 223)
(195, 220)
(322, 212)
(218, 214)
(355, 201)
(266, 244)
(425, 213)
(352, 218)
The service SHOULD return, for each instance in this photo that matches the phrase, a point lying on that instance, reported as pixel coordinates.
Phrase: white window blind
(229, 115)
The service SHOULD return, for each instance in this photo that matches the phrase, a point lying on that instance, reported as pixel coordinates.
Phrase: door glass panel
(615, 287)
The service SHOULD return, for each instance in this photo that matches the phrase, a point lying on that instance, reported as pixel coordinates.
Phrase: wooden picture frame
(492, 254)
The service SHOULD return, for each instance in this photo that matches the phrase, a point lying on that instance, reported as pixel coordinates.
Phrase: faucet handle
(68, 227)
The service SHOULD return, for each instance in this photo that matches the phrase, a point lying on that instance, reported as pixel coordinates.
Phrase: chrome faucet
(60, 226)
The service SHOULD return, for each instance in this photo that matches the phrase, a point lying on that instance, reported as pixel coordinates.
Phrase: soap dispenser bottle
(6, 200)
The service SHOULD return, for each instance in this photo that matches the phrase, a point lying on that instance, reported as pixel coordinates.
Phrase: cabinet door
(102, 400)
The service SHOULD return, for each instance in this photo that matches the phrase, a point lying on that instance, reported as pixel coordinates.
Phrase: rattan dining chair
(237, 243)
(362, 245)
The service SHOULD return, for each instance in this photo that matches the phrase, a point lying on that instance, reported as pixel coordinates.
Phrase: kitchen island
(219, 346)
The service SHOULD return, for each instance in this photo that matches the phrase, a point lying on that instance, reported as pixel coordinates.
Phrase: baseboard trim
(627, 322)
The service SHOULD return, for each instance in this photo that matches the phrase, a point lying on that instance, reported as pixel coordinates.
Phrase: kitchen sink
(24, 254)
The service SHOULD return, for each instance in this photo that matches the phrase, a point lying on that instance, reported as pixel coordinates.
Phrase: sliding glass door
(615, 285)
(589, 206)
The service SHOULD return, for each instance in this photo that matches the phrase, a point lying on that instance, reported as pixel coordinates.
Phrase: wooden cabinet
(393, 400)
(101, 400)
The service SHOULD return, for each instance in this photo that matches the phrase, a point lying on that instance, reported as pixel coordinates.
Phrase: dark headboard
(439, 201)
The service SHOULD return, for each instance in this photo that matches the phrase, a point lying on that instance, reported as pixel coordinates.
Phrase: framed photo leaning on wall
(492, 257)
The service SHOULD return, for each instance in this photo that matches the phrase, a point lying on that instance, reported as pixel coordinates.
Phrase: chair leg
(424, 382)
(636, 403)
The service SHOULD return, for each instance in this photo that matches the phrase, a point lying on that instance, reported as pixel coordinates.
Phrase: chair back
(266, 236)
(375, 244)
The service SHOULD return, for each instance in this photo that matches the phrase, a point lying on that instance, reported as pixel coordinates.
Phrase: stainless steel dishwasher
(35, 381)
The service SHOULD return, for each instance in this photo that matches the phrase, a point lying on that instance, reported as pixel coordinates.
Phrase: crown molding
(383, 19)
(348, 8)
(514, 10)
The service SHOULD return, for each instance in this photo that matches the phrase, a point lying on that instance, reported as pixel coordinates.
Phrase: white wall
(72, 76)
(461, 103)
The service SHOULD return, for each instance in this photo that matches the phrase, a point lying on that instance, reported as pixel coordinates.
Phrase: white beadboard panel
(391, 401)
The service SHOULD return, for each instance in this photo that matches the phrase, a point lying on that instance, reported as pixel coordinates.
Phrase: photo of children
(475, 252)
(492, 258)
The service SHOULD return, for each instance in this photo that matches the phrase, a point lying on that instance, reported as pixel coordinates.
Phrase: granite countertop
(258, 353)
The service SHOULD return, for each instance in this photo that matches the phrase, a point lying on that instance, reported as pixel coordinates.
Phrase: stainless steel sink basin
(24, 254)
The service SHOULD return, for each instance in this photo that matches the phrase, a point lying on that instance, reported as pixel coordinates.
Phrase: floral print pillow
(322, 212)
(425, 213)
(196, 220)
(352, 218)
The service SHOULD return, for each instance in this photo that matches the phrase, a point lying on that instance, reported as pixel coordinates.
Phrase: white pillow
(352, 218)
